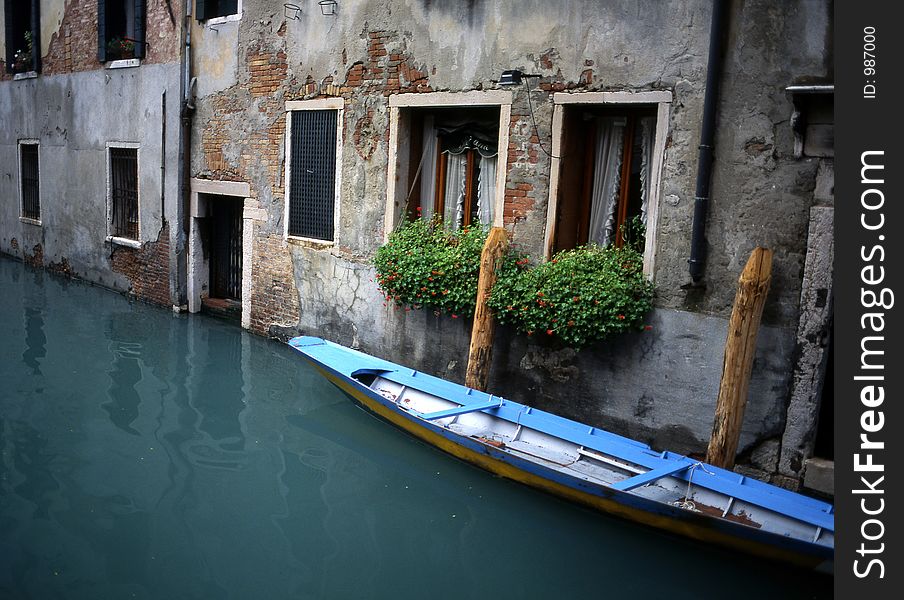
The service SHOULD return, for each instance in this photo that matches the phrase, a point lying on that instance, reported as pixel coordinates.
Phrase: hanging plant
(580, 296)
(424, 265)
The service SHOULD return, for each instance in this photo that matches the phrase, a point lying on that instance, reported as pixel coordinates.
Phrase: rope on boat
(687, 504)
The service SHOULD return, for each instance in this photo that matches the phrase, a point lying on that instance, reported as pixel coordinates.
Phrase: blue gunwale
(342, 365)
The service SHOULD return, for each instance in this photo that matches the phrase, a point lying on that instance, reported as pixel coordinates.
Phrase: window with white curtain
(453, 165)
(606, 167)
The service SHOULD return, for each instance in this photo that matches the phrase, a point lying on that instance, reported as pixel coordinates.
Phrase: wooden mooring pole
(753, 285)
(481, 349)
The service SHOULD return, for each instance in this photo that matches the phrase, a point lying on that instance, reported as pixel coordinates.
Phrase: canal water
(145, 454)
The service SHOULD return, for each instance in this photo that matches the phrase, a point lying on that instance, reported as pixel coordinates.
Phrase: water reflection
(175, 457)
(218, 390)
(125, 372)
(35, 340)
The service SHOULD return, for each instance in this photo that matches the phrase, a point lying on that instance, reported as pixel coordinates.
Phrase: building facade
(316, 128)
(89, 140)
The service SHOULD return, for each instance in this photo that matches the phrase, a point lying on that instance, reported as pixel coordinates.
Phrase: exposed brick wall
(274, 300)
(147, 268)
(73, 47)
(522, 170)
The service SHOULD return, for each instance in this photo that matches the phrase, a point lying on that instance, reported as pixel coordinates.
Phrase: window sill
(124, 63)
(25, 75)
(30, 221)
(310, 243)
(120, 241)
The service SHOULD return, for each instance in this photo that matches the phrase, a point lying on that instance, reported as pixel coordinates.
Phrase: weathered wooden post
(753, 285)
(481, 348)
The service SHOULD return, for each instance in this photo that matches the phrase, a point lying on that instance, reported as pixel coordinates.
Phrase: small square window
(212, 9)
(29, 180)
(123, 190)
(312, 173)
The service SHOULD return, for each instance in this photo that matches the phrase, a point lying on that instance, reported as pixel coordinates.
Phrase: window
(211, 9)
(606, 162)
(453, 165)
(311, 158)
(608, 149)
(123, 186)
(444, 157)
(22, 24)
(120, 29)
(29, 180)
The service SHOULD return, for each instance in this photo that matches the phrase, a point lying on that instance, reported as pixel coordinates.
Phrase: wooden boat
(585, 464)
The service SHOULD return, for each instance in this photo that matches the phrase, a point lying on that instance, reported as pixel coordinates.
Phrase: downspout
(186, 113)
(697, 261)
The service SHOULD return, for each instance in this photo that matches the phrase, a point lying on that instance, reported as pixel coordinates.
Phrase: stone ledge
(819, 475)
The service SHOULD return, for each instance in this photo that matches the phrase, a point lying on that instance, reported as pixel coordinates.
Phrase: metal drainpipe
(186, 113)
(697, 261)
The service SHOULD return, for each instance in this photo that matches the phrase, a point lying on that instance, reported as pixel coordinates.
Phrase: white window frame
(109, 216)
(22, 217)
(662, 100)
(236, 16)
(501, 99)
(337, 104)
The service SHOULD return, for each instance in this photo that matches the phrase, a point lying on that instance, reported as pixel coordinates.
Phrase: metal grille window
(124, 192)
(312, 173)
(31, 198)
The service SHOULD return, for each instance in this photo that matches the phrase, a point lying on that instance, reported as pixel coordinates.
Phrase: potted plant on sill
(22, 59)
(120, 48)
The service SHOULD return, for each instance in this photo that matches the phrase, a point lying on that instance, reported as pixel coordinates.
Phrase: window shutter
(140, 28)
(102, 30)
(36, 36)
(8, 26)
(312, 174)
(200, 10)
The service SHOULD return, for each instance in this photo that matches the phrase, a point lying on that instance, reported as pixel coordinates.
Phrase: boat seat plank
(650, 476)
(460, 410)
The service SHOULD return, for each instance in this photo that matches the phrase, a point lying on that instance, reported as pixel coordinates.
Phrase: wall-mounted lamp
(328, 7)
(293, 11)
(513, 77)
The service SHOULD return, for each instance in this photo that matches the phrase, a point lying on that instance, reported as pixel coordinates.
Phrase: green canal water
(145, 454)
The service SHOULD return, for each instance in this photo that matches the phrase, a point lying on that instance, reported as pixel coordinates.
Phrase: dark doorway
(226, 248)
(825, 426)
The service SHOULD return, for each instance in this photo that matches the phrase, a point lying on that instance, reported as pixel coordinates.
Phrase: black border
(867, 124)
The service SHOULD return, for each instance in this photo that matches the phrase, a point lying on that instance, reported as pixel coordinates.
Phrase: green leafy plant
(580, 296)
(634, 234)
(425, 265)
(121, 47)
(22, 59)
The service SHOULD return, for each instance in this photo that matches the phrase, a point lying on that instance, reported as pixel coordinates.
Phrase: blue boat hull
(696, 525)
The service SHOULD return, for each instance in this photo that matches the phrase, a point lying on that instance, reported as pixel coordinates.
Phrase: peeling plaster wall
(661, 386)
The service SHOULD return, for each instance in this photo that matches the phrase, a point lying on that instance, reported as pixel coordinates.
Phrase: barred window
(28, 176)
(124, 192)
(312, 173)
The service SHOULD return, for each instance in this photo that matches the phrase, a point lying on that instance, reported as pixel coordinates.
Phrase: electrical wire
(534, 120)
